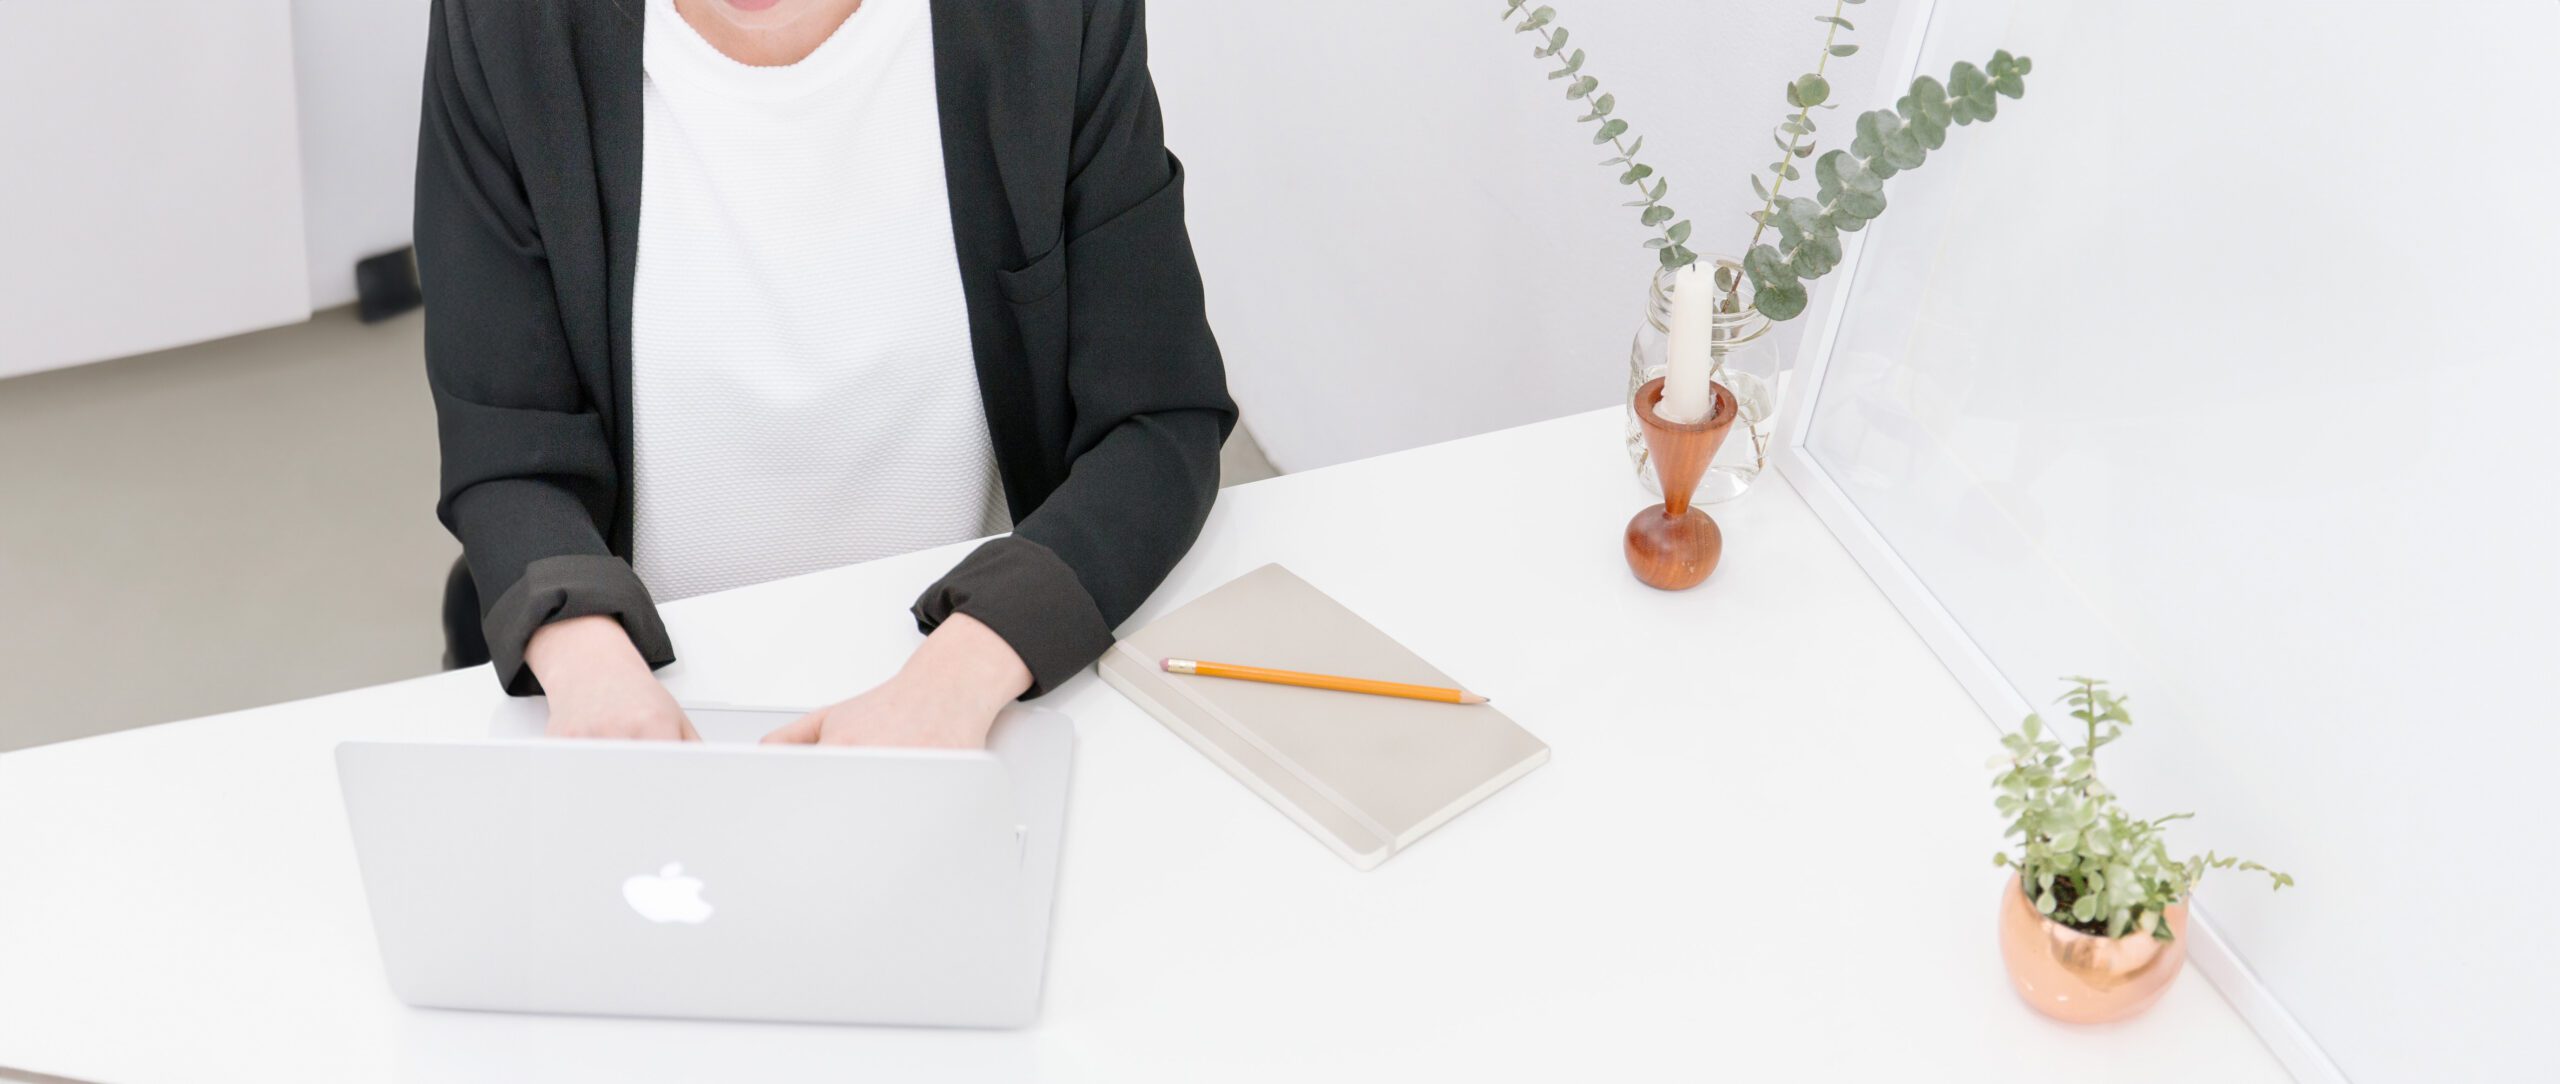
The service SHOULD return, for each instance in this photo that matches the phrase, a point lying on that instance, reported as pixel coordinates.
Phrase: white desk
(1786, 877)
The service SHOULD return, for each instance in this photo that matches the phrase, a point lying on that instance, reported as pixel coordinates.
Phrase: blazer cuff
(1023, 591)
(559, 588)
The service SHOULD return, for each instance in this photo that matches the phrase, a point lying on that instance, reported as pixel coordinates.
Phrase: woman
(726, 290)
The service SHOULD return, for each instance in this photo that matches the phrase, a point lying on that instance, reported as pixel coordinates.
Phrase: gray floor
(226, 525)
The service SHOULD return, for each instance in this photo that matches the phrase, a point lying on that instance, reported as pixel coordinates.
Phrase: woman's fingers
(801, 731)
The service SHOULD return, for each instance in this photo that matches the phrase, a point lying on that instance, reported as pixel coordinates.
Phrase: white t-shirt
(803, 393)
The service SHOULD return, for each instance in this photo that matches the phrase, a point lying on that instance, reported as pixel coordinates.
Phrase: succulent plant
(2081, 858)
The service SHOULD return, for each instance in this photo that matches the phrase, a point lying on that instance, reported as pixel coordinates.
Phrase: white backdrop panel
(360, 65)
(2223, 365)
(150, 186)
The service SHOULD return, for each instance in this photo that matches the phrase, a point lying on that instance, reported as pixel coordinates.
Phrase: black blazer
(1103, 388)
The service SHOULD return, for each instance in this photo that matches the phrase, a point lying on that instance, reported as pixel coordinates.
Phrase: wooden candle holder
(1671, 545)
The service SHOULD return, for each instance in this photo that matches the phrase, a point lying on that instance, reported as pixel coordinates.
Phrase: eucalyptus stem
(1616, 142)
(1672, 245)
(1760, 222)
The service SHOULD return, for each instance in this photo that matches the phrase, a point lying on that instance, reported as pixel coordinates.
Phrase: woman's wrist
(581, 653)
(968, 660)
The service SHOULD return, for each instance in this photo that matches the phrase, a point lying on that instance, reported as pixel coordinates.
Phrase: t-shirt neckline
(672, 46)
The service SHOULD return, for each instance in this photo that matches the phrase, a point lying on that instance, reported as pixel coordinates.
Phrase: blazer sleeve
(528, 469)
(1144, 376)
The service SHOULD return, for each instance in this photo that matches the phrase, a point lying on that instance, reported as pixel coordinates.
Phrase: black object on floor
(386, 285)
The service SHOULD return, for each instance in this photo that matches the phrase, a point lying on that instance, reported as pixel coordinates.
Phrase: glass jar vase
(1746, 363)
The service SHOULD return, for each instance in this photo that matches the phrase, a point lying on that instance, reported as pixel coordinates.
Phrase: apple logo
(668, 896)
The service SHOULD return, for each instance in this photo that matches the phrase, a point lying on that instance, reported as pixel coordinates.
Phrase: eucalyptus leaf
(1817, 254)
(1904, 150)
(1763, 263)
(1810, 90)
(1826, 173)
(1805, 212)
(1964, 80)
(1844, 50)
(1778, 301)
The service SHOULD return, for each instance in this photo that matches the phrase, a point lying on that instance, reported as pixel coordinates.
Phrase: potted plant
(2093, 927)
(1766, 282)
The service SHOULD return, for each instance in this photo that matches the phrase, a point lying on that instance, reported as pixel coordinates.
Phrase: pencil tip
(1471, 698)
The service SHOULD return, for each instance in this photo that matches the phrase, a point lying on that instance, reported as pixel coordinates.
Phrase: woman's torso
(803, 393)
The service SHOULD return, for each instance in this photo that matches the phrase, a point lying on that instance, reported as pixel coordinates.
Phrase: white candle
(1687, 392)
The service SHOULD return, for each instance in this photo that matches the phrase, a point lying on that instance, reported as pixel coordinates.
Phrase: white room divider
(2222, 365)
(150, 180)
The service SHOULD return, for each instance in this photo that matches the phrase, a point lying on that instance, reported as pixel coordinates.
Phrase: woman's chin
(763, 15)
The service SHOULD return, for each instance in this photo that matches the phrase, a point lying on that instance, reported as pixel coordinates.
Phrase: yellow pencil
(1322, 681)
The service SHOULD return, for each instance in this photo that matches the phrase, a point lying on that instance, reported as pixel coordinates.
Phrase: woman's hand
(946, 695)
(599, 686)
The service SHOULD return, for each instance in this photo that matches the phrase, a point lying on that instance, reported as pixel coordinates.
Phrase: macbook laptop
(719, 879)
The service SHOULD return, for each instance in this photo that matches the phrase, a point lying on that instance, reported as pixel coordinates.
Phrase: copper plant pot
(2084, 978)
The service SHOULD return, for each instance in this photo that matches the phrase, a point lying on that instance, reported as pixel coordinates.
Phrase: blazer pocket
(1037, 297)
(1036, 280)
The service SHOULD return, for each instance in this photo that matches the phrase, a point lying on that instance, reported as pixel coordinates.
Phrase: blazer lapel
(609, 76)
(997, 222)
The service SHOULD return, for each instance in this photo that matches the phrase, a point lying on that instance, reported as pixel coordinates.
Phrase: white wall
(2205, 368)
(150, 193)
(1405, 235)
(359, 65)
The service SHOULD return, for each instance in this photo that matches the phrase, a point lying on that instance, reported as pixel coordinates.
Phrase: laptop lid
(718, 879)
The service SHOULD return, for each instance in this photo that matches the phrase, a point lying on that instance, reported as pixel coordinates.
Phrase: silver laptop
(719, 879)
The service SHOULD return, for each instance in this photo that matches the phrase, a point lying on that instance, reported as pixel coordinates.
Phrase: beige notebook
(1368, 775)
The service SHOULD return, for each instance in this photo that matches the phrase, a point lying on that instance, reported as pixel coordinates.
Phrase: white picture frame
(1830, 305)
